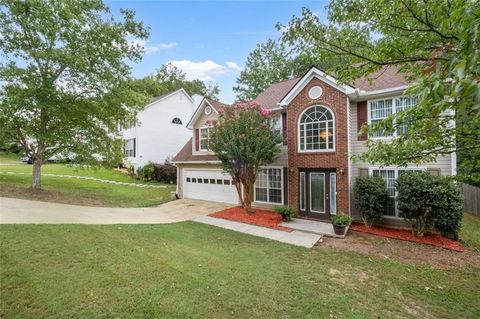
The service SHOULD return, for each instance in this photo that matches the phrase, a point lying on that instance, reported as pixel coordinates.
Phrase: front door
(317, 193)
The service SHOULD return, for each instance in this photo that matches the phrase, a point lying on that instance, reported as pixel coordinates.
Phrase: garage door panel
(211, 185)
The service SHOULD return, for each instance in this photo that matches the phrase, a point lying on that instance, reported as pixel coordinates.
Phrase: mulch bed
(259, 217)
(435, 240)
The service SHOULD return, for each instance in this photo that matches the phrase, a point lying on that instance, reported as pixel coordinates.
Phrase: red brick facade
(335, 160)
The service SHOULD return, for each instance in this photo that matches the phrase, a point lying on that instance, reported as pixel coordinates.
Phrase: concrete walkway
(297, 238)
(313, 226)
(91, 179)
(20, 211)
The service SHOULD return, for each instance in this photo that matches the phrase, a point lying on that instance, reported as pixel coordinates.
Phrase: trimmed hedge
(370, 198)
(163, 173)
(429, 203)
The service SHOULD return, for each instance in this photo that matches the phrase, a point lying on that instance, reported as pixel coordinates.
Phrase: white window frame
(302, 193)
(395, 169)
(327, 150)
(130, 152)
(200, 138)
(394, 111)
(332, 196)
(268, 187)
(279, 122)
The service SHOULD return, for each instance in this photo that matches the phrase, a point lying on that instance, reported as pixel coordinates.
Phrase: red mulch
(435, 240)
(259, 217)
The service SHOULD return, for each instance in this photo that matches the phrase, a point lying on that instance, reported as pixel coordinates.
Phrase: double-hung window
(381, 109)
(204, 138)
(268, 185)
(390, 177)
(129, 148)
(277, 127)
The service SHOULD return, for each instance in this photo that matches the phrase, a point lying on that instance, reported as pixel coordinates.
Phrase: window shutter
(197, 139)
(285, 185)
(134, 147)
(434, 171)
(363, 172)
(284, 128)
(362, 118)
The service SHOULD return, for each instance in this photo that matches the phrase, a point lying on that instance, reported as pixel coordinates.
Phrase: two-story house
(159, 130)
(319, 119)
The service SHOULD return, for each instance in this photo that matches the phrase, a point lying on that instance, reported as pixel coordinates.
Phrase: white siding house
(160, 129)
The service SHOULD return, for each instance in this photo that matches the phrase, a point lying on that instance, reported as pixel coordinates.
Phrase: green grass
(189, 270)
(77, 191)
(470, 232)
(64, 169)
(9, 158)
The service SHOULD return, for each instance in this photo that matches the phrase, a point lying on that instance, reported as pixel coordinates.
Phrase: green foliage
(169, 78)
(66, 78)
(165, 173)
(270, 63)
(430, 202)
(370, 198)
(146, 172)
(243, 140)
(436, 43)
(286, 212)
(341, 220)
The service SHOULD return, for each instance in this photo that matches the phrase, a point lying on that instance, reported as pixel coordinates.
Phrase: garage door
(209, 185)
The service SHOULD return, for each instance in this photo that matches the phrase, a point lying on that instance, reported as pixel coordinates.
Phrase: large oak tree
(65, 81)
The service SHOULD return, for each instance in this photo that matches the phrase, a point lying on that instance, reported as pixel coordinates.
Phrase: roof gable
(164, 97)
(305, 79)
(215, 105)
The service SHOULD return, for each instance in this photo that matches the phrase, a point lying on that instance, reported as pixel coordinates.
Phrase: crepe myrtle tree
(243, 139)
(64, 78)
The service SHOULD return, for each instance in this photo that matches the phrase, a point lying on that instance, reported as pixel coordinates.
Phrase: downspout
(176, 189)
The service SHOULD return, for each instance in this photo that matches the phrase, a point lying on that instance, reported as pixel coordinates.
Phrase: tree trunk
(247, 197)
(37, 174)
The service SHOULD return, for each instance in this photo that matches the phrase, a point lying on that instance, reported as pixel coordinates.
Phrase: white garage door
(209, 185)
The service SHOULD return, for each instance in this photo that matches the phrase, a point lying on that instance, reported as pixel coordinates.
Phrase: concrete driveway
(20, 211)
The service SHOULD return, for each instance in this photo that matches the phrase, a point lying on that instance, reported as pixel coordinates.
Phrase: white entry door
(211, 185)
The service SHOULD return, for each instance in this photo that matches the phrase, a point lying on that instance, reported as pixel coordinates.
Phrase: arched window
(177, 121)
(316, 131)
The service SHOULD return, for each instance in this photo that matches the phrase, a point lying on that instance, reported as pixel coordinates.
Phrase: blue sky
(209, 40)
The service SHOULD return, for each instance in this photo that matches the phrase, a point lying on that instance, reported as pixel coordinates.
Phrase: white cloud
(205, 70)
(234, 66)
(152, 48)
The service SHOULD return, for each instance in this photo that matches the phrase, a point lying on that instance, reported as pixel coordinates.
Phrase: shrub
(286, 212)
(449, 208)
(429, 202)
(370, 198)
(146, 172)
(341, 220)
(166, 173)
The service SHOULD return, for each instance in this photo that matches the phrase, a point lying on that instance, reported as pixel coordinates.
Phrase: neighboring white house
(160, 129)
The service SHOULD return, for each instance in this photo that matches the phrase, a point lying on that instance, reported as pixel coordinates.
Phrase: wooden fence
(471, 198)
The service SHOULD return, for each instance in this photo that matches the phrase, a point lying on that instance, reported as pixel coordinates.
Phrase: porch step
(314, 227)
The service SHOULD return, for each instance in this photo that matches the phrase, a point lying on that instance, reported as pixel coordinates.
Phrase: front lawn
(190, 270)
(78, 191)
